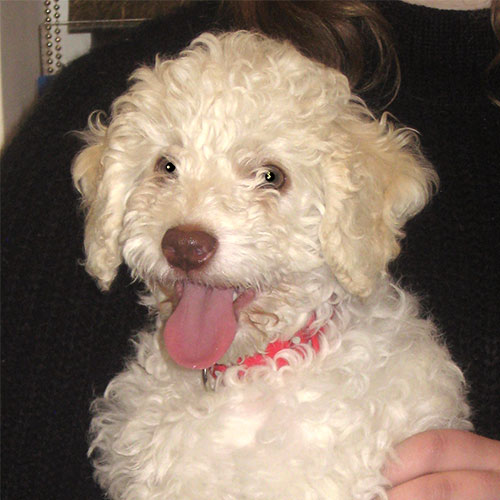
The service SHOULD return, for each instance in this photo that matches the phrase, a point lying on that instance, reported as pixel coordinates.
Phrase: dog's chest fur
(321, 429)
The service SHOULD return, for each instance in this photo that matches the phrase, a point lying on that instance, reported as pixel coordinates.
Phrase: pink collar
(303, 337)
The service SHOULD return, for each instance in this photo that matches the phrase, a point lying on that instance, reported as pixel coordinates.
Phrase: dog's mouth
(204, 323)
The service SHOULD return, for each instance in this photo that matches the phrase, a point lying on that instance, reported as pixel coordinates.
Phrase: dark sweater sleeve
(60, 336)
(451, 253)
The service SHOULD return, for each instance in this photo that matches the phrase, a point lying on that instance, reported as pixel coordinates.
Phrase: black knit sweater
(63, 340)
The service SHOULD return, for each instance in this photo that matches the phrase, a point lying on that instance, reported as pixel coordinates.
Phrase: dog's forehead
(247, 83)
(237, 91)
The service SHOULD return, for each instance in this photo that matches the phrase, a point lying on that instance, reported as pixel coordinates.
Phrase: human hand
(445, 465)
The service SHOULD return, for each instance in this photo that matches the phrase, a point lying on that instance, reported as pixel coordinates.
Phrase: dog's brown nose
(188, 247)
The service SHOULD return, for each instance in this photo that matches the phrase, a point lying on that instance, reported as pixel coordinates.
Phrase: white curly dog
(260, 203)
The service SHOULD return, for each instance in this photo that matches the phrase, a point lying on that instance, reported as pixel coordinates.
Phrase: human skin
(445, 465)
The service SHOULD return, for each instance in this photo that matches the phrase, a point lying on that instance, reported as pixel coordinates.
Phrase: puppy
(260, 203)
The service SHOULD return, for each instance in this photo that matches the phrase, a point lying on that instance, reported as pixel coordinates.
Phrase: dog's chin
(204, 322)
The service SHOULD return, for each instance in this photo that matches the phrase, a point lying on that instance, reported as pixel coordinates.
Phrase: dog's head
(243, 168)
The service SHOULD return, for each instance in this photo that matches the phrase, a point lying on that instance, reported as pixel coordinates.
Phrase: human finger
(455, 485)
(442, 450)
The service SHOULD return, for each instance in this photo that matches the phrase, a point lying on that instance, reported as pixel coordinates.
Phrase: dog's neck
(305, 340)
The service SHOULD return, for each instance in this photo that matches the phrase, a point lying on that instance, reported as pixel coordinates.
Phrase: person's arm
(445, 465)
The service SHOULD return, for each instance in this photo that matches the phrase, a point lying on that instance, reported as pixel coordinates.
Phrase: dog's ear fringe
(103, 219)
(103, 257)
(385, 181)
(87, 168)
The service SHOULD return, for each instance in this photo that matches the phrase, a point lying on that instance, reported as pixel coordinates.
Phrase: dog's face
(244, 185)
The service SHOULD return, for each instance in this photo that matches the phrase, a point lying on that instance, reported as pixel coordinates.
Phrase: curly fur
(321, 427)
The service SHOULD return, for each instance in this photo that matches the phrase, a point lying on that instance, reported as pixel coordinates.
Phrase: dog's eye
(165, 165)
(272, 177)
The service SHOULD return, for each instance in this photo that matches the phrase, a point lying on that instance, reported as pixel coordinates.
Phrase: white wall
(20, 64)
(20, 61)
(2, 132)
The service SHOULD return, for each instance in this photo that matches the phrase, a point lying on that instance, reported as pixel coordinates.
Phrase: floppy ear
(375, 181)
(103, 195)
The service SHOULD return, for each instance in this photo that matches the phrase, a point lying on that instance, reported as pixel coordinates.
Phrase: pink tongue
(202, 327)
